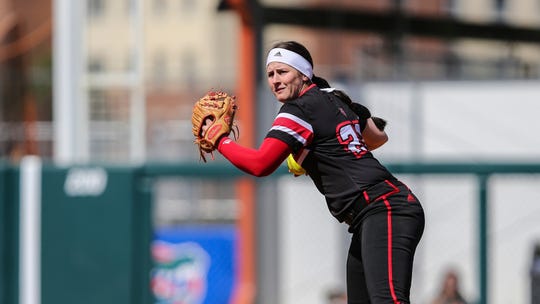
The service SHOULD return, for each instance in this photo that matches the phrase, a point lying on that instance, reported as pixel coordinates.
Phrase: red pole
(245, 290)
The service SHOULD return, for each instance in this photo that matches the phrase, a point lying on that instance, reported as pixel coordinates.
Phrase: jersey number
(350, 137)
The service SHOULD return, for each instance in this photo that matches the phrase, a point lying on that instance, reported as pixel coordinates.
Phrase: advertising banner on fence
(193, 264)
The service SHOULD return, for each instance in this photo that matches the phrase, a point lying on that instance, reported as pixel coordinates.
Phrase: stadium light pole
(69, 123)
(138, 97)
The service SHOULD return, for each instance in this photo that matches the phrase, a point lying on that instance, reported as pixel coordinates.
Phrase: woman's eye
(276, 72)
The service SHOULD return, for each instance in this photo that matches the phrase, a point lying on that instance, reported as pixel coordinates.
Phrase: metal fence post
(483, 241)
(142, 238)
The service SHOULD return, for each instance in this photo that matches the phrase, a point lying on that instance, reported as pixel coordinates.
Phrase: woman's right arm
(258, 162)
(373, 136)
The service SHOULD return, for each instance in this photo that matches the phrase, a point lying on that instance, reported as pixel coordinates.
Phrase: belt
(374, 193)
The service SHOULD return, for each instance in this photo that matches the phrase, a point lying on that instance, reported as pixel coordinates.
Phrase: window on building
(188, 6)
(129, 61)
(159, 67)
(451, 7)
(96, 8)
(95, 64)
(130, 7)
(159, 7)
(188, 66)
(98, 105)
(500, 6)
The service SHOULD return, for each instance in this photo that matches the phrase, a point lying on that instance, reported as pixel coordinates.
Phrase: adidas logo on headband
(291, 58)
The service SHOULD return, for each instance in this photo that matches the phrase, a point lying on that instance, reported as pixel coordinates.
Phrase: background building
(140, 64)
(178, 65)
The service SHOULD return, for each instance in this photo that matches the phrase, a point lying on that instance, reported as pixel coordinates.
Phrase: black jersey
(325, 137)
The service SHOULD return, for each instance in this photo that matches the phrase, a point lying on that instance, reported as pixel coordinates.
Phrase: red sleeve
(261, 162)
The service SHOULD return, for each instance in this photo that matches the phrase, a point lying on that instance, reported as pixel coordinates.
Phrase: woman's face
(285, 81)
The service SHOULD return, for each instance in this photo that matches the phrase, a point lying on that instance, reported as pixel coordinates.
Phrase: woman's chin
(281, 97)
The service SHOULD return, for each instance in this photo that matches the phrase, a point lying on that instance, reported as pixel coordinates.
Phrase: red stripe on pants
(389, 261)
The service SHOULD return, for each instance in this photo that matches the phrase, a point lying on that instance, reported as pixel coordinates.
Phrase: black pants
(381, 254)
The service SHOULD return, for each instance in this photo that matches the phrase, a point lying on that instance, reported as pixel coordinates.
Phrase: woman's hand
(207, 123)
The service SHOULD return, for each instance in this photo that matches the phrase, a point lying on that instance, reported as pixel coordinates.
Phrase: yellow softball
(294, 167)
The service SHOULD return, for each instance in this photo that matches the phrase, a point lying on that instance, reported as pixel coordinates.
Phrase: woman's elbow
(259, 174)
(384, 139)
(379, 141)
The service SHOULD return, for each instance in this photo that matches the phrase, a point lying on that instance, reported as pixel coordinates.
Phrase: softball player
(332, 139)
